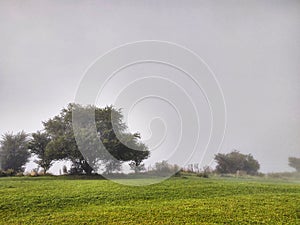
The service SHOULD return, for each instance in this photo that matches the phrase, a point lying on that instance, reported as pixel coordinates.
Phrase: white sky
(252, 46)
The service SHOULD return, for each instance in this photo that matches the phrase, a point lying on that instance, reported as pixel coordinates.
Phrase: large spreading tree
(111, 130)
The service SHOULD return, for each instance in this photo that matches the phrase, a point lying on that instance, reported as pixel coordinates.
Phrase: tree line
(57, 142)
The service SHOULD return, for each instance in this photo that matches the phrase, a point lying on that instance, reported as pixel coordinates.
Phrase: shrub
(10, 172)
(5, 173)
(203, 174)
(164, 168)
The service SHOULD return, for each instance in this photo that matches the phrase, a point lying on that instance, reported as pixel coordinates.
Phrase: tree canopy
(236, 161)
(295, 163)
(38, 146)
(14, 152)
(111, 130)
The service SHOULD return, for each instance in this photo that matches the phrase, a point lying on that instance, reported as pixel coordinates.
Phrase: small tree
(14, 151)
(38, 146)
(165, 168)
(295, 163)
(235, 161)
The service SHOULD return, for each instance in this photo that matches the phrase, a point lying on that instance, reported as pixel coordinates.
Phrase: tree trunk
(86, 167)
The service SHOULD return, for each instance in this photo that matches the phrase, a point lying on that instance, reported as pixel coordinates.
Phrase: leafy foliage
(295, 163)
(165, 168)
(14, 153)
(111, 130)
(235, 161)
(38, 146)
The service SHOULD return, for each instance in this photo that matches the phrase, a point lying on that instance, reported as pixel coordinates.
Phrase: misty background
(252, 47)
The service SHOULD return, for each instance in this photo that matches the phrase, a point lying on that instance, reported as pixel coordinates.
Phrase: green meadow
(179, 200)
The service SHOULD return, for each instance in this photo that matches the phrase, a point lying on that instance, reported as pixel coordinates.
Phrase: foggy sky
(253, 48)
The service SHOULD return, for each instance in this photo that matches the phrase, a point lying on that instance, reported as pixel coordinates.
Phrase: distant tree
(38, 146)
(14, 151)
(165, 168)
(235, 161)
(295, 163)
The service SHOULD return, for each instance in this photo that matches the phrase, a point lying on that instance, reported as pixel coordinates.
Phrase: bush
(10, 172)
(284, 175)
(203, 174)
(5, 173)
(178, 173)
(74, 170)
(165, 169)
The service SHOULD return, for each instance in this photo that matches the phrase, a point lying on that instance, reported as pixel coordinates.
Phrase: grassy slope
(47, 200)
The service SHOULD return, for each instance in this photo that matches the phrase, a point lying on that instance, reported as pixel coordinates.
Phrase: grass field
(60, 200)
